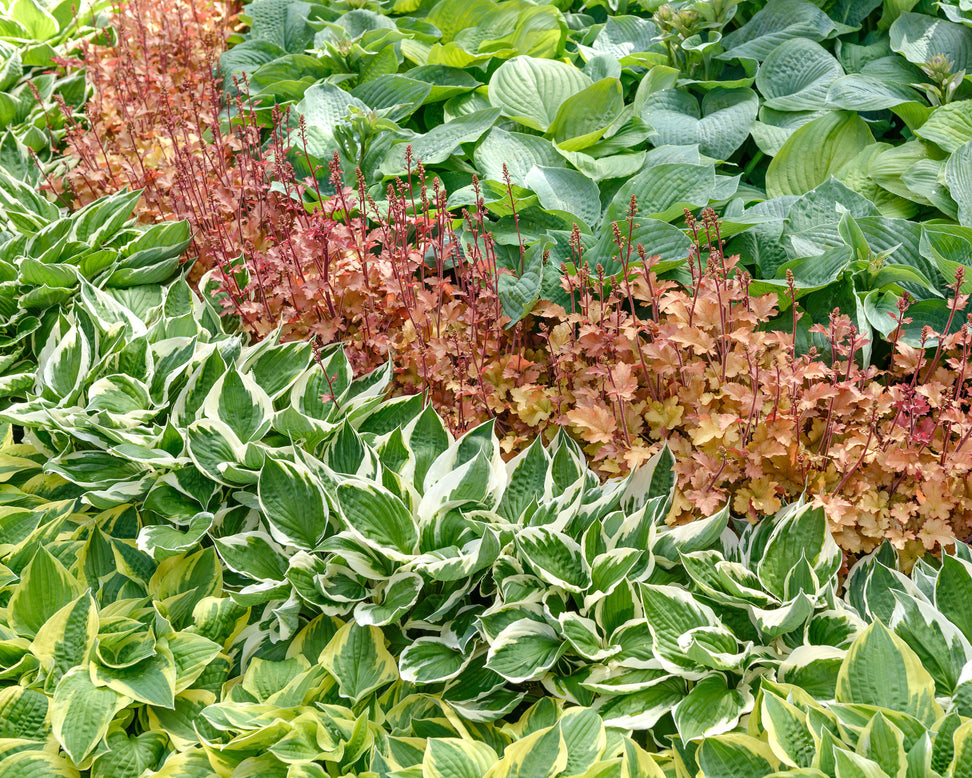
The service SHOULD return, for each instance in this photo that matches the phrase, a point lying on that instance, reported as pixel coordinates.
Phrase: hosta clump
(897, 702)
(48, 258)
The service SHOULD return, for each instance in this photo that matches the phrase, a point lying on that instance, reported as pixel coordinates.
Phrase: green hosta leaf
(816, 151)
(129, 756)
(719, 128)
(356, 656)
(292, 500)
(531, 91)
(45, 588)
(881, 670)
(81, 713)
(524, 651)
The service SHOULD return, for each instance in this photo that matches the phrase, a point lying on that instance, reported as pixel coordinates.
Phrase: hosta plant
(48, 258)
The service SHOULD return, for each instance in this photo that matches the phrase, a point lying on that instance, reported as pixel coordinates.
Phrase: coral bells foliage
(634, 361)
(153, 123)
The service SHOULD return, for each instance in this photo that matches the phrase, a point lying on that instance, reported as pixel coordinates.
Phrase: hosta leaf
(356, 656)
(456, 758)
(429, 660)
(816, 151)
(378, 517)
(918, 37)
(524, 650)
(45, 587)
(949, 126)
(292, 500)
(719, 128)
(556, 558)
(797, 75)
(711, 708)
(237, 400)
(737, 755)
(881, 670)
(398, 597)
(531, 91)
(789, 737)
(81, 713)
(583, 118)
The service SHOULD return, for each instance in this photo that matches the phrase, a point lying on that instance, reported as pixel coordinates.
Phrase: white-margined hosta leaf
(524, 650)
(292, 502)
(356, 656)
(430, 660)
(241, 404)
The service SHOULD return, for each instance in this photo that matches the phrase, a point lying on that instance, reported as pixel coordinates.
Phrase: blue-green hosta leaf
(430, 660)
(442, 141)
(378, 517)
(918, 37)
(293, 504)
(774, 23)
(862, 92)
(663, 192)
(518, 294)
(797, 75)
(323, 107)
(530, 91)
(719, 127)
(524, 651)
(815, 151)
(561, 189)
(881, 670)
(357, 658)
(711, 708)
(519, 152)
(958, 177)
(81, 713)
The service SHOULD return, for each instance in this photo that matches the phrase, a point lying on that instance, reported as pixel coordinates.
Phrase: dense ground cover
(312, 476)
